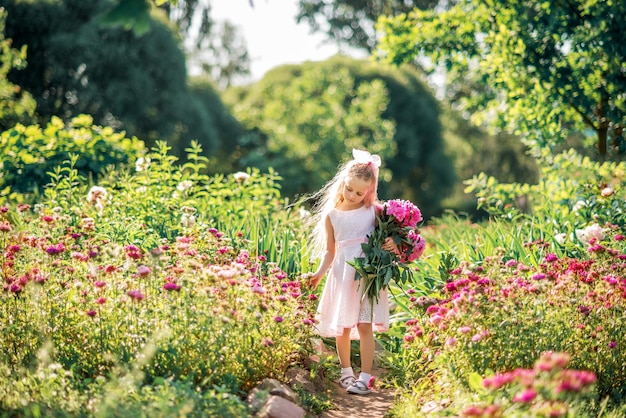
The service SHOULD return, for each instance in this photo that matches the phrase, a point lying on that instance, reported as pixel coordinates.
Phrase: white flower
(97, 195)
(607, 191)
(240, 176)
(579, 205)
(560, 238)
(590, 232)
(142, 164)
(187, 220)
(184, 185)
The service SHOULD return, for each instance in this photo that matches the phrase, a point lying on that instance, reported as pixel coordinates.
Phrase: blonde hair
(330, 196)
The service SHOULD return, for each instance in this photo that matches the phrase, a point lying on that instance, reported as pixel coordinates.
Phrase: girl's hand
(390, 245)
(311, 280)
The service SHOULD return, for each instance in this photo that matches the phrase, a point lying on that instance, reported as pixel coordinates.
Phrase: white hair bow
(365, 157)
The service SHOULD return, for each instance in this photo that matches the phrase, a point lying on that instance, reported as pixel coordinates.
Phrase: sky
(272, 36)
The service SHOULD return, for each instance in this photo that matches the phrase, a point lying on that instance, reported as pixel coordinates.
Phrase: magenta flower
(551, 257)
(171, 286)
(278, 319)
(91, 313)
(99, 283)
(133, 252)
(101, 301)
(55, 249)
(526, 396)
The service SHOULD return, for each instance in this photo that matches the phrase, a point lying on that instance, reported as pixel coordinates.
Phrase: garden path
(373, 405)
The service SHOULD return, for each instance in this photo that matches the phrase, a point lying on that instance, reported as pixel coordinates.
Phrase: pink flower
(136, 295)
(551, 257)
(171, 286)
(511, 263)
(526, 396)
(91, 313)
(144, 271)
(55, 249)
(404, 211)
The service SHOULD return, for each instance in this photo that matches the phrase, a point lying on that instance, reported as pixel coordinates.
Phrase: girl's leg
(343, 348)
(367, 346)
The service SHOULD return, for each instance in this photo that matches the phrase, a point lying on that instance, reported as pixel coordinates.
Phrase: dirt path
(373, 405)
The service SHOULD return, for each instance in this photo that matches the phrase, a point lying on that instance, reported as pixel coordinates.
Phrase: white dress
(342, 304)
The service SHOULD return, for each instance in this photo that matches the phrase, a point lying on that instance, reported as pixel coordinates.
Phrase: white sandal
(347, 381)
(359, 388)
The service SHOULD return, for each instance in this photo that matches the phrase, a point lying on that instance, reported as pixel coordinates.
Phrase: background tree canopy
(542, 69)
(351, 22)
(16, 105)
(308, 117)
(77, 66)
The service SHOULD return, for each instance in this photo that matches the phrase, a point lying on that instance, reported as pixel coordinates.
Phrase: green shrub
(30, 153)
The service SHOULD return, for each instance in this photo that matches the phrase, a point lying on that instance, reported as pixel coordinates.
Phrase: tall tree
(16, 104)
(130, 82)
(304, 120)
(544, 68)
(351, 22)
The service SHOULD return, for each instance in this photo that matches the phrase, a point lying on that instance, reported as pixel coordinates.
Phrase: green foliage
(15, 104)
(473, 151)
(573, 193)
(30, 154)
(351, 22)
(542, 69)
(130, 82)
(304, 119)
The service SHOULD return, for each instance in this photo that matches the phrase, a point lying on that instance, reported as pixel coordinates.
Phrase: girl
(345, 215)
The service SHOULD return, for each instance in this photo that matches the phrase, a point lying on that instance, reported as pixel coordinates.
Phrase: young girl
(345, 215)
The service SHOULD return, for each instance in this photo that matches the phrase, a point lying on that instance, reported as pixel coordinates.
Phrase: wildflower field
(161, 291)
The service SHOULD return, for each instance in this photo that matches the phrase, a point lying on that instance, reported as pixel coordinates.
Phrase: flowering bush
(549, 389)
(113, 281)
(397, 219)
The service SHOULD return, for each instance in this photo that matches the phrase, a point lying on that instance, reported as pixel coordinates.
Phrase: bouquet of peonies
(397, 219)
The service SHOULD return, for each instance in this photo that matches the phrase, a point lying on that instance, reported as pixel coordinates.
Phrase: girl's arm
(329, 255)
